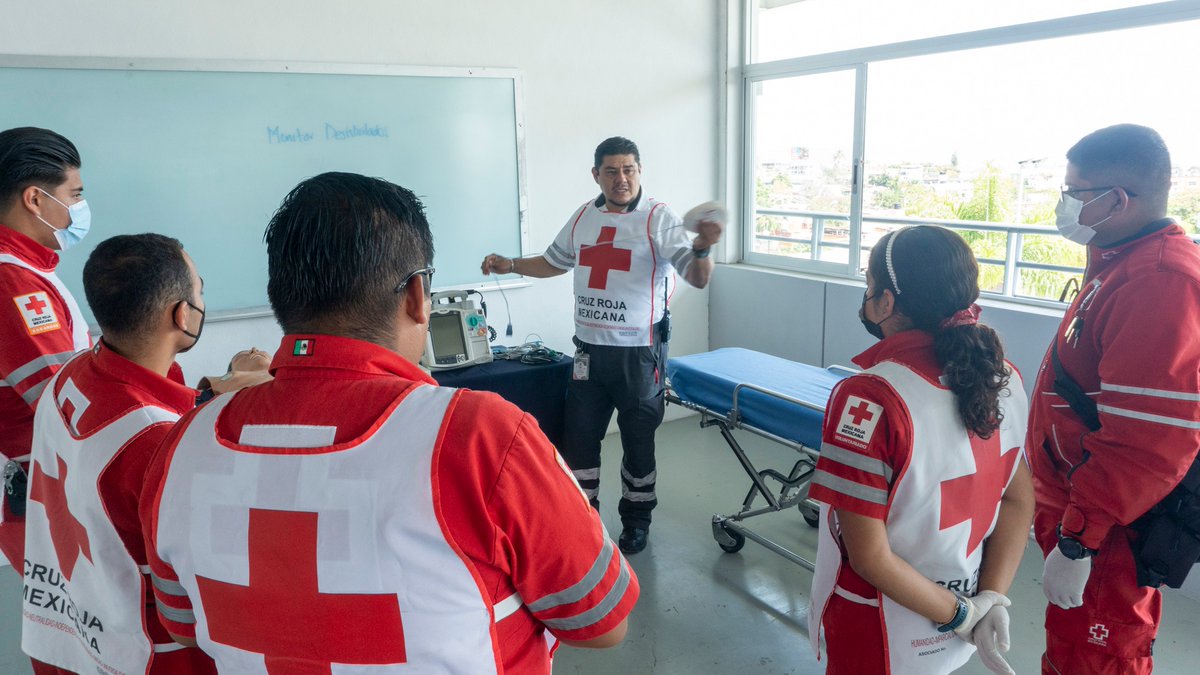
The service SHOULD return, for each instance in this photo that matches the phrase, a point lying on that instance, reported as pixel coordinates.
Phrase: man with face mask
(98, 422)
(42, 211)
(1131, 341)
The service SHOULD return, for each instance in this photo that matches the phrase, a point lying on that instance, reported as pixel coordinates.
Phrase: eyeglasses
(426, 272)
(1068, 191)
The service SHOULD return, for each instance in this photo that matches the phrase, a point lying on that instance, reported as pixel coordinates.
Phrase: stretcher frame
(730, 531)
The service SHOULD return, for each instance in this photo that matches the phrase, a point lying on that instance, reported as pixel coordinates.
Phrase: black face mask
(873, 328)
(195, 336)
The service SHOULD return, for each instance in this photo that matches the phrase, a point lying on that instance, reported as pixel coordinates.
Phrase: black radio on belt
(664, 327)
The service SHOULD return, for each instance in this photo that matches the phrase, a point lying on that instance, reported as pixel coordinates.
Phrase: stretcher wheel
(738, 542)
(813, 518)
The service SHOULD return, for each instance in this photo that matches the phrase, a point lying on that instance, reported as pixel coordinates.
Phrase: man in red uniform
(42, 211)
(87, 602)
(1131, 340)
(351, 511)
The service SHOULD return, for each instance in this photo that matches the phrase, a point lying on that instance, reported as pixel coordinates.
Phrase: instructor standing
(624, 248)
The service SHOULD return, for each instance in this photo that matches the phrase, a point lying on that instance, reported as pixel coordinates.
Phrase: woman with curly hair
(926, 496)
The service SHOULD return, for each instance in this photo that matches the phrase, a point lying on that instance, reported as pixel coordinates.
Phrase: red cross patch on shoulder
(858, 420)
(37, 312)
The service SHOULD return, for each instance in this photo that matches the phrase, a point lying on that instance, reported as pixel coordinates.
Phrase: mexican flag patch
(304, 348)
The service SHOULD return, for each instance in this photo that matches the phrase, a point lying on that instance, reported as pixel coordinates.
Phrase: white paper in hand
(714, 211)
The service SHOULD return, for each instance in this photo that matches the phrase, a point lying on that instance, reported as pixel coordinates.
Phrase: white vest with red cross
(944, 504)
(623, 275)
(302, 556)
(84, 598)
(39, 310)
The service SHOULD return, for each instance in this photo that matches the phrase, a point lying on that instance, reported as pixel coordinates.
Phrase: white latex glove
(991, 637)
(1063, 579)
(978, 607)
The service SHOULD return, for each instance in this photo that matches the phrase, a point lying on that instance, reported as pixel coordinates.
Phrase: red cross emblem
(283, 615)
(1099, 632)
(604, 258)
(68, 534)
(861, 412)
(974, 496)
(35, 305)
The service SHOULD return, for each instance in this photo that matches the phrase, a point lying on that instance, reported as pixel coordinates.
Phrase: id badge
(582, 360)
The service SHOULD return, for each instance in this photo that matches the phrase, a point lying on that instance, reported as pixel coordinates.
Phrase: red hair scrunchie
(963, 317)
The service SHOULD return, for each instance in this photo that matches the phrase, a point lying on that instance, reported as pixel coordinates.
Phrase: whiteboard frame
(309, 68)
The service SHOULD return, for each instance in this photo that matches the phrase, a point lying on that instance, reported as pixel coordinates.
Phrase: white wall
(645, 70)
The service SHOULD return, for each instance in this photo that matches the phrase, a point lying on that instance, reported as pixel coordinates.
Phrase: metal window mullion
(1012, 250)
(860, 167)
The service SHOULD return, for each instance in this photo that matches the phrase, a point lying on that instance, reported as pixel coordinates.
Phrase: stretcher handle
(735, 414)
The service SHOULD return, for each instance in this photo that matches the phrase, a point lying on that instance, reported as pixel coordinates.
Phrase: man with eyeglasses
(625, 248)
(1115, 414)
(353, 512)
(42, 212)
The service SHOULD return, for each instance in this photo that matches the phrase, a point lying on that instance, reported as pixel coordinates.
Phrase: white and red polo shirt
(624, 263)
(371, 517)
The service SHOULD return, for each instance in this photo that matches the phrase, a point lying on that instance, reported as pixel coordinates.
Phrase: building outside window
(951, 112)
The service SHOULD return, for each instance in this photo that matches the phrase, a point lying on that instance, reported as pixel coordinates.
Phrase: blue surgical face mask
(81, 222)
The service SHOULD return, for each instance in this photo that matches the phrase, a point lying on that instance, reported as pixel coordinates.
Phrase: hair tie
(887, 257)
(963, 317)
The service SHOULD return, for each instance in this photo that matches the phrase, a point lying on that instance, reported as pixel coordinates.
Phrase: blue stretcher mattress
(708, 380)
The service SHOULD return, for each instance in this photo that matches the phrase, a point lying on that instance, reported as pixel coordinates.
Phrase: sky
(1004, 104)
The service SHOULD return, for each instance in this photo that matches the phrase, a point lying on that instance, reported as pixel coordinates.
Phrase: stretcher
(783, 401)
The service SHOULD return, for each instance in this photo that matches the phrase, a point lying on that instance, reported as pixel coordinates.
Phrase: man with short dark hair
(42, 211)
(625, 249)
(351, 511)
(1105, 455)
(97, 425)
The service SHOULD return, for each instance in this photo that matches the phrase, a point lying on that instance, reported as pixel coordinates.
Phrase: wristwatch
(1072, 548)
(702, 252)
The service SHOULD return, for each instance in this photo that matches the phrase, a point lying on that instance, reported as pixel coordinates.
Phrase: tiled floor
(706, 611)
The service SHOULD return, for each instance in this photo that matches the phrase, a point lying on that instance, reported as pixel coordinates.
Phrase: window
(970, 134)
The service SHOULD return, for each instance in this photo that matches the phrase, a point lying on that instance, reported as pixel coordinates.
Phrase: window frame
(860, 60)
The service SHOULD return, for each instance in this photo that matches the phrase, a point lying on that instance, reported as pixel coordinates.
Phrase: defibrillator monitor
(458, 334)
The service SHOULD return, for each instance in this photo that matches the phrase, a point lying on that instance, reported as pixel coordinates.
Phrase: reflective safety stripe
(1147, 417)
(595, 614)
(167, 586)
(586, 474)
(21, 373)
(631, 496)
(164, 647)
(648, 479)
(855, 460)
(581, 588)
(855, 597)
(144, 569)
(506, 607)
(682, 259)
(850, 488)
(177, 615)
(1145, 391)
(558, 257)
(32, 394)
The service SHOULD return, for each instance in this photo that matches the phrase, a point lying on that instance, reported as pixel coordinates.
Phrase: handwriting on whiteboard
(330, 132)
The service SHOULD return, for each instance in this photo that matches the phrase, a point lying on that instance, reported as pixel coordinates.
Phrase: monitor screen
(446, 333)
